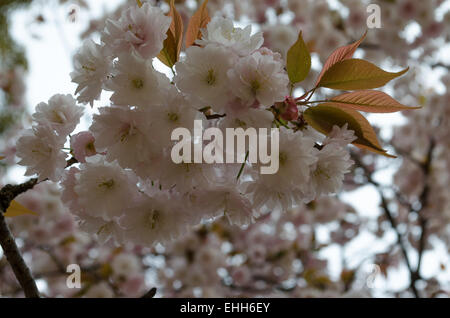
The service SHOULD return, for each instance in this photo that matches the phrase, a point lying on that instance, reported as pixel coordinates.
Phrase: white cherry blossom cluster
(277, 256)
(213, 260)
(125, 186)
(40, 148)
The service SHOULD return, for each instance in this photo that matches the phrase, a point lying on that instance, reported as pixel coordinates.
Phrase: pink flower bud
(83, 145)
(288, 108)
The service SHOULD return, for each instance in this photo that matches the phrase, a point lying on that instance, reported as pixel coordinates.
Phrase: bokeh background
(386, 235)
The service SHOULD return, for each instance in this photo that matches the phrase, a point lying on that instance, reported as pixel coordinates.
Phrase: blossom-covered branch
(180, 220)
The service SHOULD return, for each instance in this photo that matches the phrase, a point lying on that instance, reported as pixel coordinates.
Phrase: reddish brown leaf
(340, 54)
(198, 21)
(176, 27)
(368, 101)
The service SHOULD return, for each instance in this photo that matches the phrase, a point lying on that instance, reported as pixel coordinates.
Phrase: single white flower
(221, 31)
(182, 177)
(40, 151)
(175, 111)
(92, 67)
(135, 82)
(297, 156)
(224, 200)
(121, 132)
(328, 174)
(202, 75)
(155, 220)
(141, 30)
(259, 78)
(61, 114)
(103, 230)
(341, 136)
(104, 189)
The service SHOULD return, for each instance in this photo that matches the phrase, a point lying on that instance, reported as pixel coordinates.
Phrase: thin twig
(392, 221)
(441, 65)
(423, 199)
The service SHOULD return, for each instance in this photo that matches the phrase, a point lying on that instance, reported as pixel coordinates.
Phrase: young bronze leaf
(198, 21)
(324, 117)
(168, 54)
(368, 101)
(176, 27)
(340, 54)
(298, 62)
(353, 74)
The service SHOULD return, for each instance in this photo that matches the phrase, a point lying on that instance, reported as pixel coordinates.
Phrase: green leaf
(16, 209)
(324, 117)
(368, 101)
(356, 74)
(298, 61)
(340, 54)
(170, 53)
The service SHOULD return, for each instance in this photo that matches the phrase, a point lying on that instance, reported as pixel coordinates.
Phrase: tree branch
(392, 221)
(23, 274)
(12, 253)
(9, 192)
(441, 65)
(423, 199)
(388, 213)
(7, 242)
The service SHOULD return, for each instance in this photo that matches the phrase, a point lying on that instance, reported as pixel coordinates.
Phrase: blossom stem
(304, 95)
(242, 166)
(314, 101)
